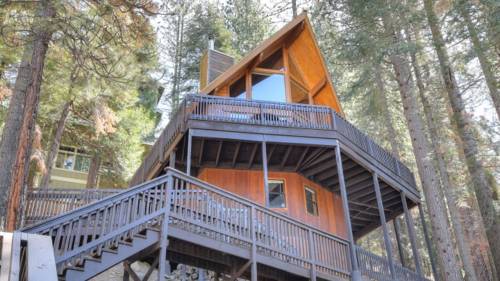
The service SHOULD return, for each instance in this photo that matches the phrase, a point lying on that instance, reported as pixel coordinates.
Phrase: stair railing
(89, 229)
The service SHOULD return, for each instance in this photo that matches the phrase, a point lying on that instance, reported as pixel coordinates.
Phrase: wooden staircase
(208, 227)
(113, 254)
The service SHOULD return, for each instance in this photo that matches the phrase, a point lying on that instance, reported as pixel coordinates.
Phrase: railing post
(312, 253)
(355, 273)
(411, 232)
(189, 151)
(383, 222)
(266, 179)
(334, 121)
(164, 229)
(253, 255)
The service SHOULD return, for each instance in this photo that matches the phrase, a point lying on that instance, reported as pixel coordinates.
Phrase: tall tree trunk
(486, 66)
(294, 8)
(15, 146)
(442, 239)
(93, 175)
(448, 190)
(391, 132)
(54, 147)
(466, 132)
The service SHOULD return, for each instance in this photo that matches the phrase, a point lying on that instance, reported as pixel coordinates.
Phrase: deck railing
(41, 204)
(199, 208)
(377, 268)
(211, 108)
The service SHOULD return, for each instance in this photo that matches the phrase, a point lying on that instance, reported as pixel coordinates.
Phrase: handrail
(43, 203)
(377, 267)
(204, 209)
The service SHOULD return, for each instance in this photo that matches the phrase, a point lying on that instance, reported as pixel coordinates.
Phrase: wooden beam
(248, 84)
(271, 151)
(252, 156)
(200, 157)
(285, 158)
(219, 150)
(267, 71)
(317, 88)
(302, 156)
(286, 64)
(236, 153)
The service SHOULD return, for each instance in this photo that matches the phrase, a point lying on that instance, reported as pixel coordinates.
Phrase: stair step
(111, 257)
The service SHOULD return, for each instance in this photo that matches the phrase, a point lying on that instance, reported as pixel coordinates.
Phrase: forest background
(419, 76)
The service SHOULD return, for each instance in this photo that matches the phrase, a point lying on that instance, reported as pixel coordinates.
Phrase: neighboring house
(259, 176)
(70, 168)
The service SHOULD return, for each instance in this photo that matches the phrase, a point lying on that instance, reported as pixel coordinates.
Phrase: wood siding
(250, 184)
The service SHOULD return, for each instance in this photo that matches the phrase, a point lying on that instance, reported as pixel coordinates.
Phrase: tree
(465, 130)
(15, 146)
(247, 23)
(465, 10)
(68, 20)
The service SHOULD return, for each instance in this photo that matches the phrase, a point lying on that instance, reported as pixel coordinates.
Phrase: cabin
(258, 176)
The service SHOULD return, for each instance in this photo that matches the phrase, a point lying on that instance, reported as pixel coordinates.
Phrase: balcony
(273, 115)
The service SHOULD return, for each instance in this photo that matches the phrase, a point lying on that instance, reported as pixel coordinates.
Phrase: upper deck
(294, 123)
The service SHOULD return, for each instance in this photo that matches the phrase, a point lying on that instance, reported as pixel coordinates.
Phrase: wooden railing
(211, 108)
(41, 204)
(377, 268)
(199, 208)
(223, 109)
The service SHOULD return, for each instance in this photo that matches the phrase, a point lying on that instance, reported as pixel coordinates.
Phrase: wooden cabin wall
(250, 184)
(306, 55)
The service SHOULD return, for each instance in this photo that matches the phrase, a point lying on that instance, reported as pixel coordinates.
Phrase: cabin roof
(287, 33)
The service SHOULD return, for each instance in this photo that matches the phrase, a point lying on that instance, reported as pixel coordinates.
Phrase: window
(311, 201)
(277, 194)
(72, 159)
(268, 87)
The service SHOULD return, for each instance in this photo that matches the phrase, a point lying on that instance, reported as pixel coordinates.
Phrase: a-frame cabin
(259, 176)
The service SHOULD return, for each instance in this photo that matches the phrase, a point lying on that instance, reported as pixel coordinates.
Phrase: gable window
(268, 87)
(311, 201)
(70, 158)
(277, 194)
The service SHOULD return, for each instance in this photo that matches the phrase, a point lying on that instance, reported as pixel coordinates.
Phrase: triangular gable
(308, 76)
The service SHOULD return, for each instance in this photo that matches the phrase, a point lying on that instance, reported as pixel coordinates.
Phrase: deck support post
(253, 254)
(397, 231)
(162, 262)
(383, 222)
(411, 232)
(171, 162)
(189, 151)
(266, 178)
(428, 243)
(355, 273)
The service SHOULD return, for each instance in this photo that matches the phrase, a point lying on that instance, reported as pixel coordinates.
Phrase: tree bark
(93, 175)
(15, 146)
(465, 130)
(486, 66)
(442, 239)
(448, 190)
(54, 147)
